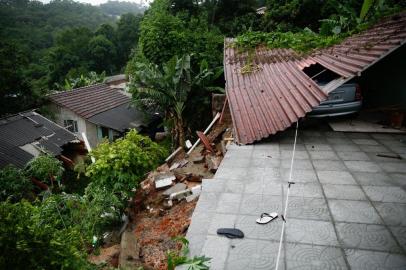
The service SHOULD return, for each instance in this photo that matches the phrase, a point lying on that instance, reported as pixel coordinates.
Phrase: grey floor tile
(344, 192)
(374, 148)
(231, 173)
(318, 147)
(299, 164)
(309, 190)
(253, 254)
(308, 208)
(236, 162)
(354, 211)
(336, 177)
(271, 174)
(365, 141)
(362, 166)
(353, 156)
(342, 140)
(373, 179)
(252, 230)
(255, 174)
(213, 185)
(233, 186)
(357, 135)
(229, 203)
(374, 260)
(378, 158)
(325, 155)
(399, 178)
(216, 248)
(393, 214)
(207, 202)
(299, 154)
(346, 147)
(289, 147)
(329, 165)
(264, 187)
(265, 163)
(385, 194)
(400, 235)
(196, 242)
(302, 256)
(250, 204)
(394, 167)
(200, 223)
(311, 232)
(300, 176)
(221, 221)
(366, 236)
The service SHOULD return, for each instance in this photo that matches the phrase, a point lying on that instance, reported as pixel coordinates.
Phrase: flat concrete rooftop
(347, 209)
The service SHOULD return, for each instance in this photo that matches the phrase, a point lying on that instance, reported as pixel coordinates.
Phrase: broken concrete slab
(178, 164)
(213, 162)
(180, 195)
(175, 189)
(164, 180)
(198, 159)
(192, 197)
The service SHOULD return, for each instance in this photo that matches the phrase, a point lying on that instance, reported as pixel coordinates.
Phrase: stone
(129, 251)
(178, 164)
(198, 159)
(180, 195)
(176, 188)
(213, 162)
(164, 180)
(107, 256)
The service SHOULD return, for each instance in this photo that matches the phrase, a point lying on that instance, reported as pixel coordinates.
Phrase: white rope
(287, 198)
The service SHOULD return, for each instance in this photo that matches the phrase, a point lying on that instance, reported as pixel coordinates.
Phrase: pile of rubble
(163, 205)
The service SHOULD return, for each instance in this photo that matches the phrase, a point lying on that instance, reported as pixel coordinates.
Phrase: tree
(127, 36)
(167, 89)
(14, 185)
(120, 165)
(102, 53)
(46, 169)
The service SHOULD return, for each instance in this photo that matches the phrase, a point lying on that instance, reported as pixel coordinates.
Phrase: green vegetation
(56, 230)
(169, 89)
(46, 169)
(175, 258)
(41, 45)
(120, 165)
(302, 42)
(14, 184)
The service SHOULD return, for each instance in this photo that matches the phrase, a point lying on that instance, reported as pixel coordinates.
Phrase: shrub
(122, 164)
(28, 241)
(44, 168)
(14, 185)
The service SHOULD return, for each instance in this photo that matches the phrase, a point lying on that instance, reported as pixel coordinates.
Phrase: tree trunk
(180, 131)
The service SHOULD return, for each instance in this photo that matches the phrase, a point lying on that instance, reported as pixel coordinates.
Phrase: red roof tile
(277, 93)
(90, 100)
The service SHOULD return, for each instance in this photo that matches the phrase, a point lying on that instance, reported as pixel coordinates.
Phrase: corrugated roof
(26, 128)
(120, 118)
(277, 93)
(90, 100)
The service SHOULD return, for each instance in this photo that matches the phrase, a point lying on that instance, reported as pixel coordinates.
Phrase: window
(71, 125)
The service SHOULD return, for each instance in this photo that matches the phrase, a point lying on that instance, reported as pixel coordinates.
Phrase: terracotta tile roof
(90, 100)
(277, 93)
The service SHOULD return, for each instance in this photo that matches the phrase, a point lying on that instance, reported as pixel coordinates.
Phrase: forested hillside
(41, 45)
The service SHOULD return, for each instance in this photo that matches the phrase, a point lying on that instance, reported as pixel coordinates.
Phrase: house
(340, 197)
(280, 89)
(97, 111)
(26, 135)
(117, 81)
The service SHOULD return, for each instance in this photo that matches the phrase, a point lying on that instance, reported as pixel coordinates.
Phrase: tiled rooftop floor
(347, 209)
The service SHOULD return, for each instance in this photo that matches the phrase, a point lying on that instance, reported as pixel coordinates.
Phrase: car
(344, 100)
